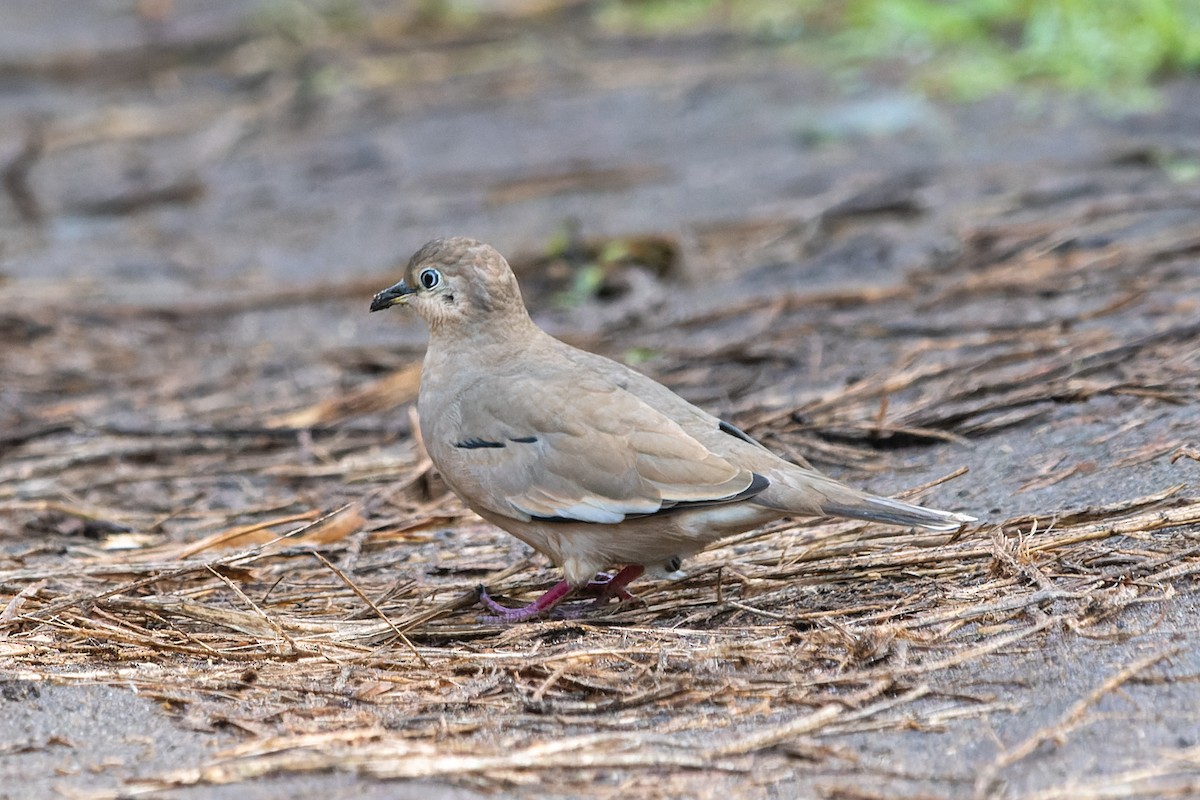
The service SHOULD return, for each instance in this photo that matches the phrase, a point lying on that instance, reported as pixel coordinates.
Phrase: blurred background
(899, 238)
(175, 154)
(176, 147)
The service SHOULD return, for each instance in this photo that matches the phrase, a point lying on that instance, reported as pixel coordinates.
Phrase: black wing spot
(523, 439)
(757, 484)
(735, 432)
(475, 444)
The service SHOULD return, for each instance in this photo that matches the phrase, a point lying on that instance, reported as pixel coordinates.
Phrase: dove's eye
(429, 278)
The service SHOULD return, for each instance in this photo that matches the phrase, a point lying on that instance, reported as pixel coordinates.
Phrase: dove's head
(456, 283)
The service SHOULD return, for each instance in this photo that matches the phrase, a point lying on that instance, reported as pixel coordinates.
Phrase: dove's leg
(604, 588)
(608, 588)
(547, 601)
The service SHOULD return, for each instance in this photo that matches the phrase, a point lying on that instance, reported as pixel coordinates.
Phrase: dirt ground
(227, 570)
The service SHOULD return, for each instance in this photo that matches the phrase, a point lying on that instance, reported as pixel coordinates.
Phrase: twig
(371, 604)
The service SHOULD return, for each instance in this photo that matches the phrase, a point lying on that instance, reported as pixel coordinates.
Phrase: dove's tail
(896, 512)
(812, 493)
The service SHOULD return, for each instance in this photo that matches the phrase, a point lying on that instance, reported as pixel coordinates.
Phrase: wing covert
(586, 451)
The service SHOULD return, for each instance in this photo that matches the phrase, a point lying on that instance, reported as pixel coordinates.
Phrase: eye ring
(429, 278)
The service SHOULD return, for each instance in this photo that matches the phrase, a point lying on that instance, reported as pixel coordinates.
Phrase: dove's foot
(603, 588)
(537, 608)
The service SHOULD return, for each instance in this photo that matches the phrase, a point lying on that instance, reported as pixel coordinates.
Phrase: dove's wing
(573, 445)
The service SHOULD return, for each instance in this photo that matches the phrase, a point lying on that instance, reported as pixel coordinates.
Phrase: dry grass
(199, 559)
(739, 668)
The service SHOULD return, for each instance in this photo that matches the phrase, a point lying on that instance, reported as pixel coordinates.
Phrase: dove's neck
(459, 361)
(455, 349)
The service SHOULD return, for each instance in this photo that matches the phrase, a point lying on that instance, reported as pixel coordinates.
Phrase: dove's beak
(393, 295)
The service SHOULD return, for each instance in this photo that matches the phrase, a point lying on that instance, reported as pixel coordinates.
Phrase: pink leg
(615, 586)
(547, 601)
(604, 590)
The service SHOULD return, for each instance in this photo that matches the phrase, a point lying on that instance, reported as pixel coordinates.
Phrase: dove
(586, 460)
